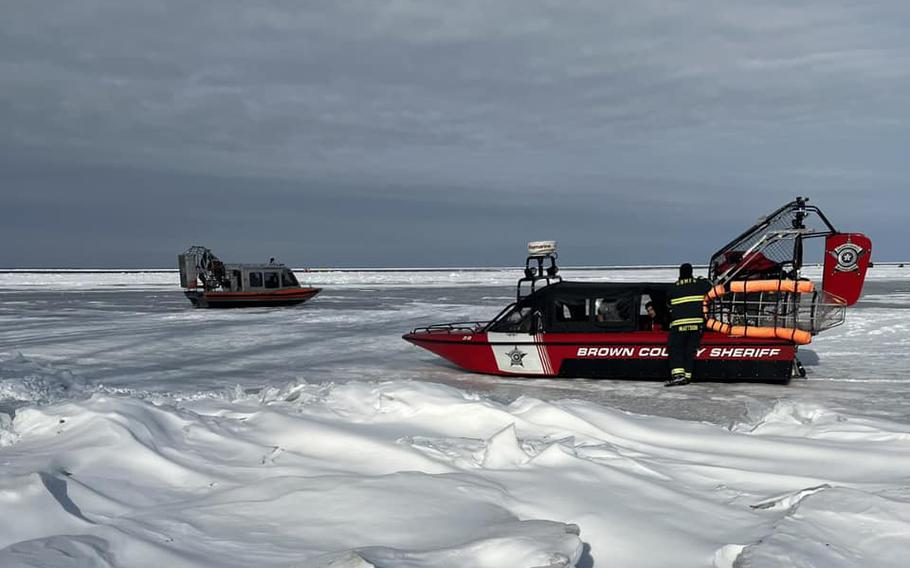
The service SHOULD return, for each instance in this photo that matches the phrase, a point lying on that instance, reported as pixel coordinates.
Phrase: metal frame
(534, 274)
(810, 312)
(801, 210)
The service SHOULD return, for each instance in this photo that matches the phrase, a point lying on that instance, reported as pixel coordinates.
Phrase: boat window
(255, 280)
(594, 313)
(612, 310)
(236, 281)
(271, 279)
(288, 279)
(571, 309)
(520, 320)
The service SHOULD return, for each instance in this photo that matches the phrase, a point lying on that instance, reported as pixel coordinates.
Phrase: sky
(441, 133)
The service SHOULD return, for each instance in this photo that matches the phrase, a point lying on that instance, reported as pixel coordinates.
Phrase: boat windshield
(522, 319)
(288, 279)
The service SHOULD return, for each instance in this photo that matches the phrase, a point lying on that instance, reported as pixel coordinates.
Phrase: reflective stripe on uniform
(687, 299)
(687, 321)
(678, 371)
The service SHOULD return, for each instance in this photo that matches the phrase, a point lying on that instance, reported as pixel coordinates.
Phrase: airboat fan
(760, 291)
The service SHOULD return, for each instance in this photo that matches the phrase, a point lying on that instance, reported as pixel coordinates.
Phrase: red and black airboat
(758, 314)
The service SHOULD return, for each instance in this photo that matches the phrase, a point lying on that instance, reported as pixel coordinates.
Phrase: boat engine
(759, 289)
(199, 264)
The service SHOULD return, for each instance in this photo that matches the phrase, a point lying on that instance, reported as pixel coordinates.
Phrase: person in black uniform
(687, 322)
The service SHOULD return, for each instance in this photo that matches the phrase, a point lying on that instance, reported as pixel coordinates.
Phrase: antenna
(536, 268)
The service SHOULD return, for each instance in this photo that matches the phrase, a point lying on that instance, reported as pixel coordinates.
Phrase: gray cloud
(452, 116)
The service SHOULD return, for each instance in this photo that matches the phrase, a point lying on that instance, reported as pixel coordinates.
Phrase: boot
(676, 380)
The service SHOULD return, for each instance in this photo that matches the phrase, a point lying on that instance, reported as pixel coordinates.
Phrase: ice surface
(136, 431)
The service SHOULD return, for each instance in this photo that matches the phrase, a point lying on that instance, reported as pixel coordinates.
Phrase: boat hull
(633, 355)
(272, 298)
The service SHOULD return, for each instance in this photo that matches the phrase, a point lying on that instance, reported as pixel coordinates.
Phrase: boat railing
(813, 312)
(461, 326)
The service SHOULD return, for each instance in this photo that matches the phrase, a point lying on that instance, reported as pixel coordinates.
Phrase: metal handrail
(471, 326)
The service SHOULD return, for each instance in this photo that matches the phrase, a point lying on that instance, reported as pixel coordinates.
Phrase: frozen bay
(141, 430)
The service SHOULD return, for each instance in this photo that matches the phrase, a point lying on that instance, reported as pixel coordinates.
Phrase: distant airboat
(210, 283)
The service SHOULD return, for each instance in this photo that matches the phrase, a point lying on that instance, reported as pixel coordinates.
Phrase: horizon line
(135, 270)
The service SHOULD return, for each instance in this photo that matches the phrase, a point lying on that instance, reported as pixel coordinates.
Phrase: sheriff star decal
(515, 357)
(847, 256)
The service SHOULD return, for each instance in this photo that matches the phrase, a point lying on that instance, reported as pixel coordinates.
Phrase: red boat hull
(281, 297)
(632, 355)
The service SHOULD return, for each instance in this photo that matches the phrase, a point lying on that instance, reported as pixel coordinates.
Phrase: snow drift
(406, 474)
